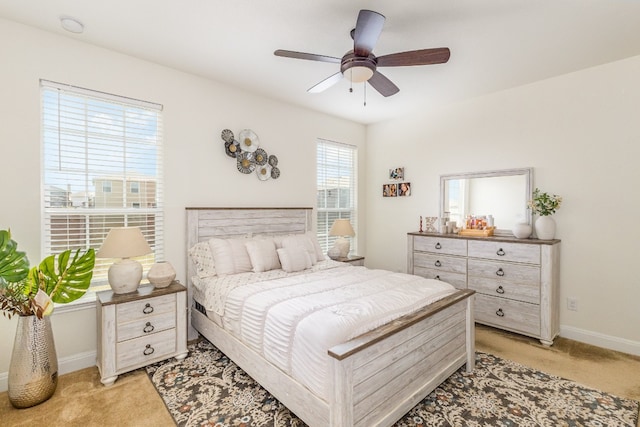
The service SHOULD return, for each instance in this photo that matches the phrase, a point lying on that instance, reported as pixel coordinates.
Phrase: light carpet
(207, 389)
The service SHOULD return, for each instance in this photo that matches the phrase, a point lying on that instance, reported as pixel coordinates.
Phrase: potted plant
(30, 293)
(545, 205)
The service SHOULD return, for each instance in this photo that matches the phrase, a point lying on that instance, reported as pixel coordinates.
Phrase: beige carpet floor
(81, 400)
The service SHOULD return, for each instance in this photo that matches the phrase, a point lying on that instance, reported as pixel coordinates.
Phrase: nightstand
(353, 260)
(139, 328)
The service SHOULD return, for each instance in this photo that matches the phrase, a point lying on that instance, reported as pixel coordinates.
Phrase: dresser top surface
(508, 239)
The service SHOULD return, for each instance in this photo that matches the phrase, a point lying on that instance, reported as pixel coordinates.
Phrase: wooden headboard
(205, 223)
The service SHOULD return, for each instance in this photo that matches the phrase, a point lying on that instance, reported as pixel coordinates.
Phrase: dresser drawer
(141, 309)
(144, 350)
(145, 326)
(456, 280)
(440, 245)
(501, 279)
(502, 251)
(440, 262)
(508, 314)
(499, 288)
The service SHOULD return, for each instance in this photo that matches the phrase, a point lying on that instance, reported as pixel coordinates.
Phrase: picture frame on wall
(397, 173)
(389, 190)
(404, 189)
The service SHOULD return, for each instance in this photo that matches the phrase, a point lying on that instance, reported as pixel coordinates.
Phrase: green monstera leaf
(14, 265)
(63, 277)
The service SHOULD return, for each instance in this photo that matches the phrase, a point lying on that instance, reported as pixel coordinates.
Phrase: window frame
(88, 233)
(347, 187)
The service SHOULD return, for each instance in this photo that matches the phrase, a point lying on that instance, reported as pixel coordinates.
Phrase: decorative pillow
(202, 257)
(263, 255)
(301, 242)
(294, 259)
(314, 241)
(230, 256)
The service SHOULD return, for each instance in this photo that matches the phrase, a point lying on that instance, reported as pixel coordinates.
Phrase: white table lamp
(125, 243)
(341, 247)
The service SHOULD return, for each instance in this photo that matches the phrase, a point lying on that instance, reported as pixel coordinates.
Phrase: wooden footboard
(378, 376)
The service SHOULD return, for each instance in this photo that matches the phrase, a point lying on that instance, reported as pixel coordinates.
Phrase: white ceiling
(495, 44)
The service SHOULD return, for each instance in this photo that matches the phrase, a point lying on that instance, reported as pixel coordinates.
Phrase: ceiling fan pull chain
(365, 93)
(351, 81)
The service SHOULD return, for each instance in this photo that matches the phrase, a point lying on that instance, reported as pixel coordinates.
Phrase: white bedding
(292, 319)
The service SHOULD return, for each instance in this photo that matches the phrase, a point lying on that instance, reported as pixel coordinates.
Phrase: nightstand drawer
(149, 307)
(144, 350)
(440, 245)
(146, 326)
(507, 314)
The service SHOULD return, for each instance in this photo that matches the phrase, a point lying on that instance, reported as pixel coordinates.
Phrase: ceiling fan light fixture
(359, 74)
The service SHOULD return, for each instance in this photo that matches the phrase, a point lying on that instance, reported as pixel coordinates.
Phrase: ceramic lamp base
(341, 247)
(124, 276)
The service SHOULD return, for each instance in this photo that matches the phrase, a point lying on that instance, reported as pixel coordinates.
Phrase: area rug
(207, 389)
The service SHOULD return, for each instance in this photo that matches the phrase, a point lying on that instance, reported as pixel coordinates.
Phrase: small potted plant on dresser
(30, 294)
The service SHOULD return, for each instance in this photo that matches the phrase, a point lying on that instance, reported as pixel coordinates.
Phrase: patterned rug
(207, 389)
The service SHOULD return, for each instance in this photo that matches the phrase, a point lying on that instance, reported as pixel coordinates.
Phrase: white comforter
(292, 320)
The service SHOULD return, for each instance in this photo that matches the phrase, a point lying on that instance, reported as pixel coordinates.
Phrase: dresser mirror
(503, 194)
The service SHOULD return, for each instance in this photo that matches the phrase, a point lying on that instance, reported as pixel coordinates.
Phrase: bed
(373, 378)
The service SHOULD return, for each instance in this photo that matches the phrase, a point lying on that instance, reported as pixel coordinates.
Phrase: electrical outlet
(572, 304)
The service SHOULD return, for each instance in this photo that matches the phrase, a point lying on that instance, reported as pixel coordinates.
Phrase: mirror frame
(527, 172)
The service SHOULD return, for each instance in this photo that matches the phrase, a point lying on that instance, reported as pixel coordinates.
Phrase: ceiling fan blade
(438, 55)
(368, 28)
(383, 84)
(326, 83)
(309, 56)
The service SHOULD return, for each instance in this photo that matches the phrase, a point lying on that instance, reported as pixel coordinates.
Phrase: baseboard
(65, 365)
(601, 340)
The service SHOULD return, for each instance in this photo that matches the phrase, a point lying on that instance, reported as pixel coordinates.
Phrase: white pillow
(202, 257)
(294, 259)
(314, 241)
(263, 255)
(230, 256)
(301, 242)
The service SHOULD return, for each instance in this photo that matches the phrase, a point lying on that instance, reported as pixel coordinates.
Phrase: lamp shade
(124, 242)
(341, 227)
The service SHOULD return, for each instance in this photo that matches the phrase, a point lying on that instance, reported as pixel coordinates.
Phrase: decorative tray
(478, 233)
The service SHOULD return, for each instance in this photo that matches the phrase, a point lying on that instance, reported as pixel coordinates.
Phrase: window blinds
(337, 189)
(102, 168)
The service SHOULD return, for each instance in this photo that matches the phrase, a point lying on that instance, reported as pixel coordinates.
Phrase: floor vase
(33, 371)
(545, 228)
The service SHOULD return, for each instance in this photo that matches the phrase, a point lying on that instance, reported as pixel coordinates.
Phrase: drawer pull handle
(148, 328)
(438, 245)
(148, 308)
(500, 272)
(500, 290)
(148, 350)
(437, 277)
(500, 313)
(438, 263)
(501, 252)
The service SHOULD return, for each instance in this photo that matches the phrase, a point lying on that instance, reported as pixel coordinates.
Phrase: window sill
(86, 302)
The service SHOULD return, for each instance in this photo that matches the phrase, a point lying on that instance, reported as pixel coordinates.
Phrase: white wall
(581, 134)
(197, 171)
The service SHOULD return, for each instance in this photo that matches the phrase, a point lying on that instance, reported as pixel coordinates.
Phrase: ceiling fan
(360, 64)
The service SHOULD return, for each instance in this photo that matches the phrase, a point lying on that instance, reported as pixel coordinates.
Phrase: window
(95, 147)
(337, 189)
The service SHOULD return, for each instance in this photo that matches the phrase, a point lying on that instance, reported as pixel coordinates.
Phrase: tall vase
(545, 227)
(33, 371)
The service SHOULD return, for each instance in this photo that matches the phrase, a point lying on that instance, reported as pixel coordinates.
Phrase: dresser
(516, 280)
(140, 328)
